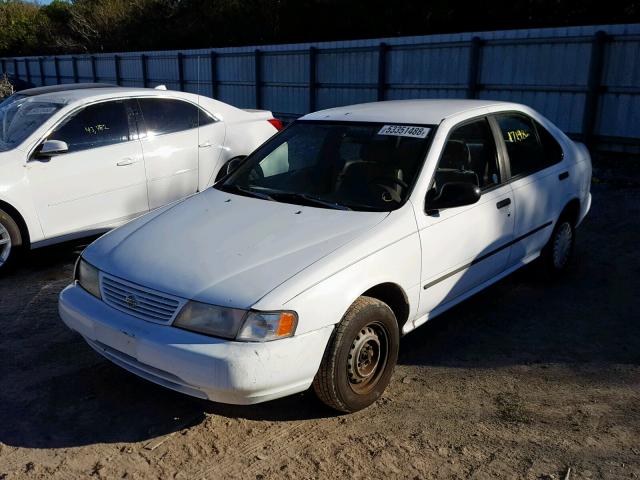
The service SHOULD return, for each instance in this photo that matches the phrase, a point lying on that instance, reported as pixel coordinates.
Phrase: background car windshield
(21, 118)
(362, 166)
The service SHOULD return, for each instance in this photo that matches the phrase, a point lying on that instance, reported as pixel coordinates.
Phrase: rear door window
(162, 116)
(529, 146)
(95, 126)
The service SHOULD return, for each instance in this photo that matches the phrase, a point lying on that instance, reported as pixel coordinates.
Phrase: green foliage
(66, 26)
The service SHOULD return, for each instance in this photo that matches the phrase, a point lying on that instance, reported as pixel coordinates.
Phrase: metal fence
(585, 79)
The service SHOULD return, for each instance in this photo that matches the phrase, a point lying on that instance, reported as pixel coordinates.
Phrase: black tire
(359, 360)
(10, 240)
(556, 255)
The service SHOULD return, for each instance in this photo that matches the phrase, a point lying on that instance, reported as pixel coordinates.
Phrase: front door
(462, 247)
(100, 182)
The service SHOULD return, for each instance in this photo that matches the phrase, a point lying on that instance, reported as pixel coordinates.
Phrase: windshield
(346, 165)
(21, 117)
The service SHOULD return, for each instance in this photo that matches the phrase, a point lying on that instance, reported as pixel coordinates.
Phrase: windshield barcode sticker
(404, 131)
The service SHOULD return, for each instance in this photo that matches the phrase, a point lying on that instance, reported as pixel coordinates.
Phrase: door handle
(125, 161)
(563, 176)
(503, 203)
(205, 145)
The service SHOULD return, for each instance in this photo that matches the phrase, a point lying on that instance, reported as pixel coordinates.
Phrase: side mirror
(453, 194)
(50, 148)
(232, 165)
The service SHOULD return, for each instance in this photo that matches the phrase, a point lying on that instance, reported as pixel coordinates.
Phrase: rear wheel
(557, 253)
(360, 358)
(10, 239)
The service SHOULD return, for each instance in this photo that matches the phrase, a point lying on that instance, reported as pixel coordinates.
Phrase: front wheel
(360, 358)
(10, 239)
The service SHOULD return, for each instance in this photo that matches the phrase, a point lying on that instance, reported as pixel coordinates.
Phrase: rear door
(170, 146)
(538, 179)
(100, 182)
(462, 247)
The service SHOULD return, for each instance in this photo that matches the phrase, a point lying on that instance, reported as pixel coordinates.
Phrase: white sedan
(307, 263)
(81, 159)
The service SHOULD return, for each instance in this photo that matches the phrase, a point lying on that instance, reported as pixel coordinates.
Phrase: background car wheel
(10, 239)
(558, 251)
(360, 358)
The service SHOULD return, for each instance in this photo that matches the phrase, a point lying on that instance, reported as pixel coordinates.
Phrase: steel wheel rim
(5, 244)
(562, 245)
(367, 358)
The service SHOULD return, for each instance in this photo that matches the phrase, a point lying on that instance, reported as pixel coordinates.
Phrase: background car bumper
(201, 366)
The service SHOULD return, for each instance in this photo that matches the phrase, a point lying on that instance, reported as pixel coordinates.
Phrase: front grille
(139, 301)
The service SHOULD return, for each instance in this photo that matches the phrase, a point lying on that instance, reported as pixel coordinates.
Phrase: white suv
(84, 160)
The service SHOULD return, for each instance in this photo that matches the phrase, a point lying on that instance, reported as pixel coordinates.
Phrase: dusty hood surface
(225, 249)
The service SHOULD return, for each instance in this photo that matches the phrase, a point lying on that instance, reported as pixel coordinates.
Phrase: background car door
(170, 147)
(100, 182)
(211, 138)
(463, 247)
(534, 158)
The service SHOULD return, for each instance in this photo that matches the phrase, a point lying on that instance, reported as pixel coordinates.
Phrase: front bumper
(210, 368)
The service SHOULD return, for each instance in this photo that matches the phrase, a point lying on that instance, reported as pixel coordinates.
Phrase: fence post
(15, 68)
(94, 74)
(593, 87)
(27, 69)
(116, 65)
(74, 65)
(214, 73)
(56, 64)
(382, 70)
(474, 68)
(258, 79)
(145, 71)
(43, 81)
(4, 66)
(181, 71)
(312, 79)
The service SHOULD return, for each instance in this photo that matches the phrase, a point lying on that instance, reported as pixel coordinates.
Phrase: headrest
(456, 155)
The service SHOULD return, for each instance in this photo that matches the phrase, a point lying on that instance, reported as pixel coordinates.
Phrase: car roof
(83, 94)
(427, 112)
(30, 92)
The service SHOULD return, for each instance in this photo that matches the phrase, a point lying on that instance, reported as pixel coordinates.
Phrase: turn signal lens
(267, 326)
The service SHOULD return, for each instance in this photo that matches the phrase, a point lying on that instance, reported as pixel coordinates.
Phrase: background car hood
(225, 249)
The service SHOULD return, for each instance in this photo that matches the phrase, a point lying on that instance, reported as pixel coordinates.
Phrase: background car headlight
(87, 277)
(210, 319)
(267, 326)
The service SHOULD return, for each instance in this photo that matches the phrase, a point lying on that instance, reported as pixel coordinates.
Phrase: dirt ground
(525, 380)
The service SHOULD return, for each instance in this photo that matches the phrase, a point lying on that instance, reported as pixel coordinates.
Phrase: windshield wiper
(245, 191)
(309, 199)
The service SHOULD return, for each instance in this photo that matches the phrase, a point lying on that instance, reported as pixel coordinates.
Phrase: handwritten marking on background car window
(517, 136)
(95, 129)
(404, 131)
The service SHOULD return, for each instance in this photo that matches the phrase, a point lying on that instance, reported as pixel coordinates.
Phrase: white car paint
(235, 251)
(90, 191)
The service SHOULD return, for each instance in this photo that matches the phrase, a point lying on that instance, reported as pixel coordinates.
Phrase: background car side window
(469, 156)
(95, 126)
(162, 116)
(527, 153)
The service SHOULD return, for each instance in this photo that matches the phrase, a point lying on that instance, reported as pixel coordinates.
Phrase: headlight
(87, 277)
(267, 326)
(210, 319)
(236, 324)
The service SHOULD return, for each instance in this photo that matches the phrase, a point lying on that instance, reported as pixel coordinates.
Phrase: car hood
(225, 249)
